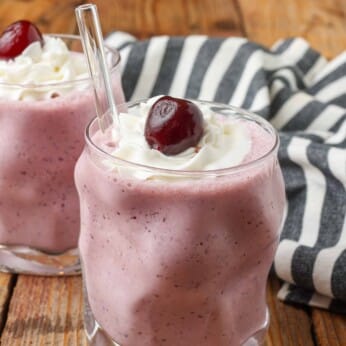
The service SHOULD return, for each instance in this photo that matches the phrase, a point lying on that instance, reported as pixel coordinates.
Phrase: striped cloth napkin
(304, 97)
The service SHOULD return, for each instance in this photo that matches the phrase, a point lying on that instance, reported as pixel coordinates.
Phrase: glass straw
(91, 34)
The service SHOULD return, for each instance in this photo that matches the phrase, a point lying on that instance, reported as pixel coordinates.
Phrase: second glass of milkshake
(46, 100)
(176, 248)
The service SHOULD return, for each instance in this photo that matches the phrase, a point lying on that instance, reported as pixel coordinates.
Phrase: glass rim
(193, 173)
(31, 85)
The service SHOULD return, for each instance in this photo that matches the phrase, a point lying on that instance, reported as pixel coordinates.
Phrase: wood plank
(51, 16)
(45, 311)
(289, 325)
(178, 17)
(6, 286)
(322, 23)
(48, 311)
(330, 329)
(142, 18)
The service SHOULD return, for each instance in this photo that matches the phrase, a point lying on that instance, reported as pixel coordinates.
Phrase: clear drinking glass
(40, 141)
(181, 257)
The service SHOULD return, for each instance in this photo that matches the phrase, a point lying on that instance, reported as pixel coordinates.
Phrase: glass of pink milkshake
(46, 100)
(176, 248)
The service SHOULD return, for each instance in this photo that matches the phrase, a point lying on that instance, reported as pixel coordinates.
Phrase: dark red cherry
(173, 125)
(17, 37)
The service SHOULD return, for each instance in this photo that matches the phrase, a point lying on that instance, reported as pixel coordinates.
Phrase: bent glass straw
(92, 41)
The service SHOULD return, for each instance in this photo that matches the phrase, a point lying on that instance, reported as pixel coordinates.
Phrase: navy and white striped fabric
(304, 97)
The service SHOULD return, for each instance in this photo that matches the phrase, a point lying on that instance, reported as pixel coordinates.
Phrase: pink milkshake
(179, 256)
(46, 101)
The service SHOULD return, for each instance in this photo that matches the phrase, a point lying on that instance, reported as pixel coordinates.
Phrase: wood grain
(289, 325)
(51, 16)
(178, 17)
(330, 328)
(6, 286)
(322, 23)
(48, 311)
(45, 311)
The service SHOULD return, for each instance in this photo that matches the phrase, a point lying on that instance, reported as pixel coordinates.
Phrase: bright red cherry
(17, 37)
(173, 125)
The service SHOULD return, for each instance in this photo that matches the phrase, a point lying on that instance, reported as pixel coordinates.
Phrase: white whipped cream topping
(225, 143)
(36, 65)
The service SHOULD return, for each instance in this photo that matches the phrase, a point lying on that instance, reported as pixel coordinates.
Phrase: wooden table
(48, 311)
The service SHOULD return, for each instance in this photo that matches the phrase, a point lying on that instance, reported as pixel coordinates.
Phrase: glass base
(25, 260)
(97, 336)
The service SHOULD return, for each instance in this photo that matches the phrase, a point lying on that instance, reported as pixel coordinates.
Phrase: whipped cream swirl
(43, 71)
(225, 143)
